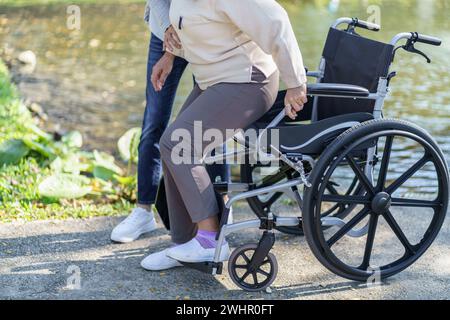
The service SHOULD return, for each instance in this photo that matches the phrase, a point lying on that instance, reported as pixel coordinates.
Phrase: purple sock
(207, 239)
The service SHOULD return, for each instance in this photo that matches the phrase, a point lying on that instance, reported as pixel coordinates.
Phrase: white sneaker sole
(135, 235)
(224, 256)
(161, 268)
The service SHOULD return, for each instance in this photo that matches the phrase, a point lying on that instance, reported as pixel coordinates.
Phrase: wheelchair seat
(312, 139)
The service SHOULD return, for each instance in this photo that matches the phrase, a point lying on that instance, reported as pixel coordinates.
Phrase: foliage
(128, 144)
(64, 186)
(40, 170)
(12, 151)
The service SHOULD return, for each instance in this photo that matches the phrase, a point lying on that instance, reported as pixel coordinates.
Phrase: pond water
(94, 79)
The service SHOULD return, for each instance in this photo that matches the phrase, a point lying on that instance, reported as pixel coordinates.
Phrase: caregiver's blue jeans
(156, 118)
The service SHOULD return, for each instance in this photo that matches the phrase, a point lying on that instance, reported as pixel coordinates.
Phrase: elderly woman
(157, 113)
(237, 51)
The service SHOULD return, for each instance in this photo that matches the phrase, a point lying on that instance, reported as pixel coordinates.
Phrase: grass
(19, 182)
(20, 199)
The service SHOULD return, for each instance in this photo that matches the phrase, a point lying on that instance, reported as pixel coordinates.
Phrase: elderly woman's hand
(171, 40)
(295, 100)
(161, 70)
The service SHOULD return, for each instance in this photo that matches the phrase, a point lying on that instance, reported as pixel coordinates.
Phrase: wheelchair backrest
(352, 59)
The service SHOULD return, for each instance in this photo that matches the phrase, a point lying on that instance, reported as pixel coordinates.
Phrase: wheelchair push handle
(414, 37)
(356, 23)
(365, 25)
(426, 39)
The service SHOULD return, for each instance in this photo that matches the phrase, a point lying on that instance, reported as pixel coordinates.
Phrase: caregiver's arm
(161, 70)
(267, 23)
(160, 9)
(163, 67)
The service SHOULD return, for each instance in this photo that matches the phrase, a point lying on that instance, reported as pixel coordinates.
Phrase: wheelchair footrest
(205, 267)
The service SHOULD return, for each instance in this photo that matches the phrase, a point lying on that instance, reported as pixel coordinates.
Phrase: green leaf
(12, 151)
(126, 181)
(103, 173)
(39, 148)
(102, 186)
(57, 165)
(73, 139)
(69, 164)
(106, 161)
(128, 144)
(86, 155)
(103, 157)
(40, 133)
(64, 186)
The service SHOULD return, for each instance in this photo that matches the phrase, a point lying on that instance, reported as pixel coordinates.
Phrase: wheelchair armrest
(337, 90)
(314, 74)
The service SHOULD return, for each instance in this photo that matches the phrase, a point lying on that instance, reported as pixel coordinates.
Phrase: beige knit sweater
(224, 39)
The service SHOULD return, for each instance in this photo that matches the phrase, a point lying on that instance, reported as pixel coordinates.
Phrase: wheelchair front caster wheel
(248, 278)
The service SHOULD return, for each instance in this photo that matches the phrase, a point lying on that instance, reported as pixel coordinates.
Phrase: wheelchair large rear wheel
(399, 214)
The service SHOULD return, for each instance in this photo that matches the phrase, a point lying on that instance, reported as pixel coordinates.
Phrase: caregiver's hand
(171, 40)
(295, 100)
(161, 70)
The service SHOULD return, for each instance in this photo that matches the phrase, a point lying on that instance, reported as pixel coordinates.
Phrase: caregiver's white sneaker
(193, 252)
(140, 221)
(159, 261)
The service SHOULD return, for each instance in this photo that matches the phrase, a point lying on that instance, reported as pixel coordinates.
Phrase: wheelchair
(343, 164)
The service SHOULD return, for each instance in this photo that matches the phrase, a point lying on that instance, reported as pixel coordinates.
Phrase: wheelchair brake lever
(410, 48)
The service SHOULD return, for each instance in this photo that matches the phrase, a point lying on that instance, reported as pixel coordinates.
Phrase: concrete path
(38, 260)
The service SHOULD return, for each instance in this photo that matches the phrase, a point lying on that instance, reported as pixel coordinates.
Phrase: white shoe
(159, 261)
(140, 221)
(193, 252)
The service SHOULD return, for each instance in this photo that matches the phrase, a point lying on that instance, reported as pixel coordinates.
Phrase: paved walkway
(37, 260)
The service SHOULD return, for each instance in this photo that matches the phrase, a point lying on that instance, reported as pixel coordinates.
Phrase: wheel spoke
(398, 232)
(352, 186)
(369, 242)
(263, 272)
(408, 174)
(244, 256)
(332, 191)
(360, 175)
(330, 187)
(246, 274)
(385, 163)
(345, 229)
(398, 202)
(265, 262)
(255, 278)
(240, 266)
(345, 199)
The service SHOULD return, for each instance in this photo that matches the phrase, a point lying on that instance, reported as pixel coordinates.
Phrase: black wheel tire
(343, 141)
(272, 260)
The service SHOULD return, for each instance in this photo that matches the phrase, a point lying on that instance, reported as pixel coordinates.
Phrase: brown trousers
(189, 190)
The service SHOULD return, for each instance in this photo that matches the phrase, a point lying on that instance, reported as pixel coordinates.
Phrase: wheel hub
(381, 202)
